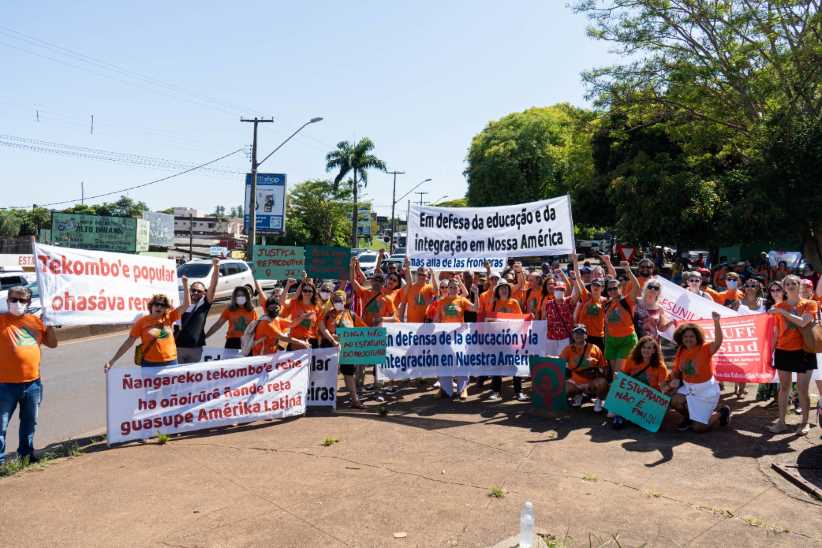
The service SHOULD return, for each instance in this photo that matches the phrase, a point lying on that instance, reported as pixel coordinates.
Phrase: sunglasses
(653, 288)
(750, 286)
(694, 280)
(161, 305)
(613, 287)
(195, 291)
(18, 300)
(790, 284)
(776, 290)
(309, 291)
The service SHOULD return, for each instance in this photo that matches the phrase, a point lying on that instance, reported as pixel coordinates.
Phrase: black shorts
(234, 342)
(795, 361)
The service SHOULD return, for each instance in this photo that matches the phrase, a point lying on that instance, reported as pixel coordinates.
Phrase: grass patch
(652, 493)
(162, 439)
(553, 541)
(329, 441)
(496, 492)
(589, 477)
(11, 467)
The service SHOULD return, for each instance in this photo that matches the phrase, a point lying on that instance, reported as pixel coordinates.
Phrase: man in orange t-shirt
(418, 295)
(21, 335)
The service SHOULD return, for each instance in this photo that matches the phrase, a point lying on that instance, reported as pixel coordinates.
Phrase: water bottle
(526, 526)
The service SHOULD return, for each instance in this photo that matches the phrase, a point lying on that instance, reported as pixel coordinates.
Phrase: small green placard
(278, 262)
(362, 345)
(327, 262)
(548, 381)
(637, 402)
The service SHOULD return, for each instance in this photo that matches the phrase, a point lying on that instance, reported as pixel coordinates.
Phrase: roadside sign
(270, 203)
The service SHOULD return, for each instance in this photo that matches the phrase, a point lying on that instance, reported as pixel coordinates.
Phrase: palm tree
(357, 160)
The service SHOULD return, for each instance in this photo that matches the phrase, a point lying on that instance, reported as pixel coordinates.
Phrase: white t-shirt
(744, 310)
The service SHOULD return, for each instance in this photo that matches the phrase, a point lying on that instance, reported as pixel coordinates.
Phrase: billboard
(364, 220)
(96, 232)
(161, 229)
(143, 235)
(270, 202)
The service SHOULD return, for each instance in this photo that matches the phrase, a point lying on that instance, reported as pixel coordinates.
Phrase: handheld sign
(548, 380)
(637, 402)
(278, 262)
(362, 345)
(327, 262)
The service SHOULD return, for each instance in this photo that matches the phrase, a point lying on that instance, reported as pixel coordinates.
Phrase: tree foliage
(528, 155)
(355, 159)
(124, 207)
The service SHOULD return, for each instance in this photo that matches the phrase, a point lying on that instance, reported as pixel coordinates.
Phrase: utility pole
(252, 214)
(421, 195)
(190, 236)
(393, 203)
(82, 193)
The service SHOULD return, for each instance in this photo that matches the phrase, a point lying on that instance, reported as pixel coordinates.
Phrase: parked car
(11, 279)
(233, 273)
(368, 262)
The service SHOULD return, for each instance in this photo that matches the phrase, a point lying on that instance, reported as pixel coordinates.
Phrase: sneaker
(577, 401)
(684, 426)
(724, 415)
(618, 422)
(495, 396)
(436, 384)
(521, 397)
(598, 406)
(797, 408)
(379, 397)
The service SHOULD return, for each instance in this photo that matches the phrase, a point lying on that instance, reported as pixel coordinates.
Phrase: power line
(128, 189)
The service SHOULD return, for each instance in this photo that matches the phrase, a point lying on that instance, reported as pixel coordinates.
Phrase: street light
(252, 232)
(441, 198)
(394, 201)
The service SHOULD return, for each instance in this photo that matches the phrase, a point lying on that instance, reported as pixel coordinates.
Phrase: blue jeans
(28, 395)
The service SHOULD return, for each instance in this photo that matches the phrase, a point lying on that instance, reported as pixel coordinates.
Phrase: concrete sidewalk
(423, 473)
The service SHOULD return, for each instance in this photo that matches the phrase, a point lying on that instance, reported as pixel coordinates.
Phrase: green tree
(457, 202)
(33, 220)
(526, 156)
(10, 223)
(124, 207)
(355, 159)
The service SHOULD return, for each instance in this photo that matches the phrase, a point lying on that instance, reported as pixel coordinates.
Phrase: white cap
(494, 274)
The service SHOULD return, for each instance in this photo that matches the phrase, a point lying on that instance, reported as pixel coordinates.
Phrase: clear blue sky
(420, 78)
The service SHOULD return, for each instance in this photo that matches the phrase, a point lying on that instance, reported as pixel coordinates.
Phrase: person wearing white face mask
(21, 335)
(559, 314)
(239, 314)
(340, 316)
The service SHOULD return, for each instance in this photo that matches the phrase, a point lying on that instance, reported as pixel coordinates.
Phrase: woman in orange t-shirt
(271, 331)
(692, 377)
(792, 314)
(646, 365)
(418, 295)
(239, 314)
(341, 316)
(304, 311)
(588, 369)
(504, 304)
(155, 332)
(451, 309)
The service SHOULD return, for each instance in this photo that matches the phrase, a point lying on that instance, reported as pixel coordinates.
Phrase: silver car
(233, 273)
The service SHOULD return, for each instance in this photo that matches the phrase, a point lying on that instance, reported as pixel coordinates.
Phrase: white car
(11, 279)
(233, 273)
(368, 262)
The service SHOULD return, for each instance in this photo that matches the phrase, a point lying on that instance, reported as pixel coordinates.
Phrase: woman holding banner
(503, 303)
(340, 316)
(157, 347)
(751, 303)
(695, 390)
(451, 309)
(587, 367)
(790, 357)
(239, 314)
(651, 320)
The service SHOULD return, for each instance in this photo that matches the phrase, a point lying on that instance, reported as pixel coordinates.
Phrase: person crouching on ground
(692, 379)
(157, 347)
(587, 367)
(21, 335)
(646, 365)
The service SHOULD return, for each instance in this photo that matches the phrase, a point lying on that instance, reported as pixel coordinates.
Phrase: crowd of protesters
(600, 319)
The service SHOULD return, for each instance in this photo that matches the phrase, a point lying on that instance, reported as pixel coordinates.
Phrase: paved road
(74, 388)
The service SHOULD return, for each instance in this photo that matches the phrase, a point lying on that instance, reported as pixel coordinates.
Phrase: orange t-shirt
(696, 364)
(712, 292)
(332, 319)
(381, 307)
(417, 298)
(510, 306)
(530, 301)
(723, 297)
(452, 309)
(150, 329)
(397, 295)
(238, 320)
(652, 376)
(20, 338)
(592, 314)
(593, 358)
(620, 322)
(485, 300)
(267, 335)
(790, 338)
(629, 285)
(306, 328)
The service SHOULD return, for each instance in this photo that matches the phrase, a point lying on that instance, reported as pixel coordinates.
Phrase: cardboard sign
(362, 345)
(548, 381)
(637, 402)
(278, 262)
(327, 262)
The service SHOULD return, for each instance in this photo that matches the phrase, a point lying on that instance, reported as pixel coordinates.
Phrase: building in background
(195, 234)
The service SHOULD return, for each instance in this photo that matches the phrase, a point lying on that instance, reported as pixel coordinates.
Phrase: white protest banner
(465, 237)
(322, 380)
(420, 350)
(683, 305)
(144, 401)
(84, 287)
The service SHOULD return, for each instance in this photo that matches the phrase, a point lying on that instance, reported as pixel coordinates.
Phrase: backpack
(247, 340)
